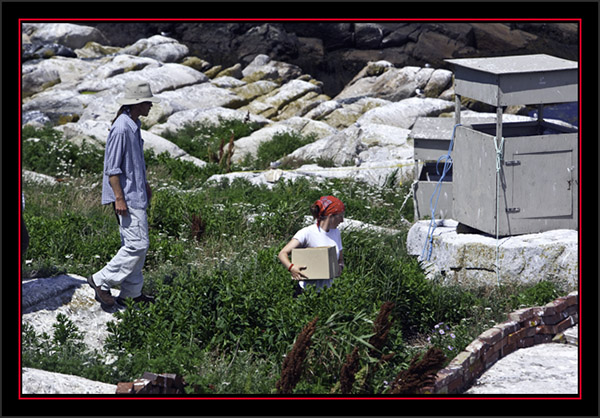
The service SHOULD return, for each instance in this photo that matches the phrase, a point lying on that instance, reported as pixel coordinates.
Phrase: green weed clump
(44, 151)
(225, 313)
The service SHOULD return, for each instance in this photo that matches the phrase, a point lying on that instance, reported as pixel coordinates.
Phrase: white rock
(158, 47)
(393, 84)
(249, 144)
(270, 104)
(35, 78)
(355, 141)
(43, 299)
(119, 64)
(323, 109)
(404, 113)
(165, 77)
(340, 147)
(70, 71)
(211, 116)
(271, 69)
(56, 102)
(67, 34)
(199, 96)
(30, 176)
(227, 82)
(40, 382)
(306, 126)
(439, 81)
(470, 259)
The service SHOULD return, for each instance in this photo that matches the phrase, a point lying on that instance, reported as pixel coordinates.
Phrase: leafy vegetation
(225, 314)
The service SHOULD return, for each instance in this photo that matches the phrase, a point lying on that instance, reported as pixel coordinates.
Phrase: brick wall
(524, 328)
(153, 384)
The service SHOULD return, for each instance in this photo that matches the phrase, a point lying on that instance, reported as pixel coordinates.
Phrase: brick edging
(524, 328)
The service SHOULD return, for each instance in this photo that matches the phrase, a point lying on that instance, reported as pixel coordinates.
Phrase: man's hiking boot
(140, 299)
(102, 296)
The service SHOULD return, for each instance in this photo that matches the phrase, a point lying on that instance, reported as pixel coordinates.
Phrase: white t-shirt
(313, 236)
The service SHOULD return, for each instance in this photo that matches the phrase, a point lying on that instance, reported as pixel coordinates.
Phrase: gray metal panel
(516, 64)
(474, 179)
(543, 175)
(539, 183)
(423, 193)
(430, 149)
(476, 85)
(538, 197)
(538, 88)
(524, 79)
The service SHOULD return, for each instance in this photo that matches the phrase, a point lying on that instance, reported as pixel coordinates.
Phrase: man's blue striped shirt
(124, 156)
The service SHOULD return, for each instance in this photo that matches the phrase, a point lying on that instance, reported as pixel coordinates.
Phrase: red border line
(390, 398)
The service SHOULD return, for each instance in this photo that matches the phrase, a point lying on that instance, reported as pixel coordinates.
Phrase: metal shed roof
(516, 64)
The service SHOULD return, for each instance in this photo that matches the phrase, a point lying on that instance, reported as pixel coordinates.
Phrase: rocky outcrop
(41, 382)
(334, 52)
(470, 259)
(362, 129)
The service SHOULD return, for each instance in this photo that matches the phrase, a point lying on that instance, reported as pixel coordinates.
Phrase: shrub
(63, 352)
(206, 140)
(45, 151)
(281, 145)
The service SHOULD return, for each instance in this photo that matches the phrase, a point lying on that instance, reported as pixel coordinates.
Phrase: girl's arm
(284, 257)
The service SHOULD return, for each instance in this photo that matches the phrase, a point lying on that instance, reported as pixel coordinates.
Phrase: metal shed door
(542, 183)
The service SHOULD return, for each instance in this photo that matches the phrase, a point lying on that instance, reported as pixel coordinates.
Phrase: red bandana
(329, 205)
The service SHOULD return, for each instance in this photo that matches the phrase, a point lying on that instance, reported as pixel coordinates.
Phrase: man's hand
(120, 206)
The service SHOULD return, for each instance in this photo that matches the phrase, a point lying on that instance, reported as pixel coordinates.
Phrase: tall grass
(225, 313)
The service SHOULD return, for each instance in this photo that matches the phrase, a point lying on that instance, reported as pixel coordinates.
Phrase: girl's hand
(296, 272)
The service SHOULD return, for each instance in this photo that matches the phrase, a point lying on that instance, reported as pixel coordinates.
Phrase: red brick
(542, 338)
(443, 377)
(477, 347)
(508, 327)
(561, 326)
(552, 319)
(561, 304)
(549, 309)
(525, 342)
(124, 387)
(149, 376)
(529, 332)
(508, 348)
(572, 299)
(516, 336)
(491, 336)
(490, 359)
(521, 315)
(476, 368)
(571, 310)
(455, 385)
(546, 329)
(462, 361)
(539, 311)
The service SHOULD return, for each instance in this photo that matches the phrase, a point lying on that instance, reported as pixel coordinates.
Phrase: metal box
(538, 169)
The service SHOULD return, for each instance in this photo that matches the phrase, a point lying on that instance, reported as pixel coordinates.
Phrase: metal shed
(521, 177)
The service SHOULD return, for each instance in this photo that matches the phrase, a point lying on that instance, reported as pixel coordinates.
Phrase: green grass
(225, 315)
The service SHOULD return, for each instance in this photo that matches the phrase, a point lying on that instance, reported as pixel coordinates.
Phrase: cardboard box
(320, 262)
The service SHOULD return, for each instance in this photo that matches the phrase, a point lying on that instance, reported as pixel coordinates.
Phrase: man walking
(124, 185)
